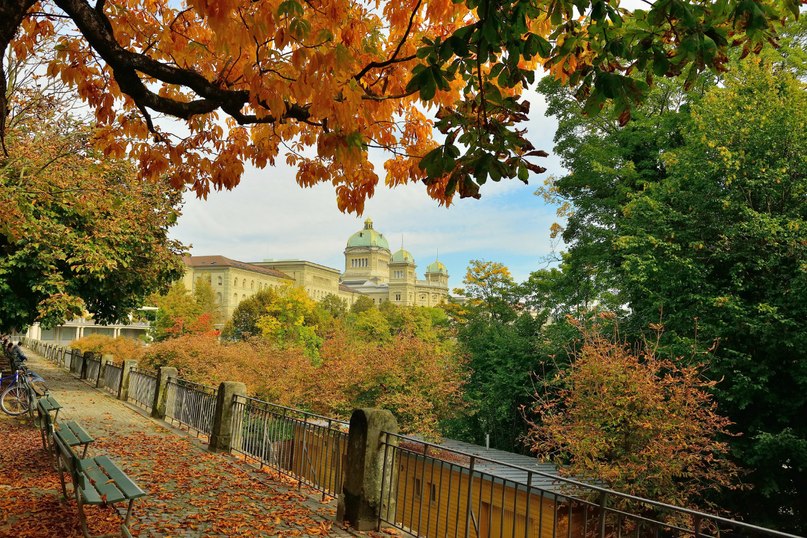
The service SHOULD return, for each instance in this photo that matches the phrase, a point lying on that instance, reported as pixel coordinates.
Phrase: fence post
(361, 502)
(163, 375)
(123, 390)
(222, 436)
(105, 359)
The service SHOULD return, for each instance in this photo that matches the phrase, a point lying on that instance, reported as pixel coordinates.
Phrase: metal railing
(142, 388)
(111, 379)
(191, 405)
(92, 370)
(76, 362)
(308, 447)
(430, 490)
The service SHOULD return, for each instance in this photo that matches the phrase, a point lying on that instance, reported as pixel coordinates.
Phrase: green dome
(368, 237)
(437, 267)
(402, 256)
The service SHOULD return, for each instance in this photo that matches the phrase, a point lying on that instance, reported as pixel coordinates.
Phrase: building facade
(371, 270)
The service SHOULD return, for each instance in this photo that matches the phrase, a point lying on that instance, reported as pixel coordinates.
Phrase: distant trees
(289, 349)
(181, 312)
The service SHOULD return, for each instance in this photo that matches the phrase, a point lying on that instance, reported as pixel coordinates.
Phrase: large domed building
(371, 269)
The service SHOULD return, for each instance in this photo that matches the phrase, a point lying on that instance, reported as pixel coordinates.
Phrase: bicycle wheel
(15, 400)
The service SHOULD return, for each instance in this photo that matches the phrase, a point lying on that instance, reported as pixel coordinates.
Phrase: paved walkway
(192, 492)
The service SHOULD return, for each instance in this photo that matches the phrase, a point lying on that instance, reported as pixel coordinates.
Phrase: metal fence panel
(191, 405)
(308, 447)
(92, 370)
(75, 362)
(111, 379)
(433, 491)
(142, 388)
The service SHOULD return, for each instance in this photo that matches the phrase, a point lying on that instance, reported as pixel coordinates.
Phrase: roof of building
(498, 463)
(403, 256)
(368, 237)
(437, 267)
(220, 261)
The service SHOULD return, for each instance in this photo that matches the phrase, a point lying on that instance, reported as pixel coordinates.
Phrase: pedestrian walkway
(191, 491)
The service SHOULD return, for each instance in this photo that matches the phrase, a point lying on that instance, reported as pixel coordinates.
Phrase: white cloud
(269, 216)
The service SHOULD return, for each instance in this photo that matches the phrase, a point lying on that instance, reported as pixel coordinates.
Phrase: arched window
(219, 281)
(235, 282)
(252, 285)
(235, 298)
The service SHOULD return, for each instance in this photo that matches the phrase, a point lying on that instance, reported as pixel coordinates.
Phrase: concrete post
(158, 407)
(223, 438)
(361, 502)
(123, 391)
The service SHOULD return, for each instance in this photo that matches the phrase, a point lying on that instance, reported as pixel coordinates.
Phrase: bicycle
(20, 396)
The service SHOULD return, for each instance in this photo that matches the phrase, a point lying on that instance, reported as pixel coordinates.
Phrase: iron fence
(308, 447)
(92, 370)
(76, 361)
(111, 379)
(191, 405)
(142, 388)
(430, 490)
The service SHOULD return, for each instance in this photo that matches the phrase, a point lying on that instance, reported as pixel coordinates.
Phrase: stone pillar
(222, 438)
(361, 502)
(123, 391)
(158, 407)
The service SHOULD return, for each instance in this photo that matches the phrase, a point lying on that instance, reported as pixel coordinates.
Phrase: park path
(192, 492)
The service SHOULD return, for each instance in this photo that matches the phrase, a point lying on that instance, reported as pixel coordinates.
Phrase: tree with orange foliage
(324, 82)
(639, 424)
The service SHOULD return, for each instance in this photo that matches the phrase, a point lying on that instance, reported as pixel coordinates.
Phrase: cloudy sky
(268, 216)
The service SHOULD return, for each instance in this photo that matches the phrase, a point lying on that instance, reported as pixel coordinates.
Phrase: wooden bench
(44, 407)
(96, 481)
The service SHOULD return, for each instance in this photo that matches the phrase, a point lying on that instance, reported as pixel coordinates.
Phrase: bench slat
(67, 436)
(126, 484)
(81, 436)
(48, 403)
(99, 487)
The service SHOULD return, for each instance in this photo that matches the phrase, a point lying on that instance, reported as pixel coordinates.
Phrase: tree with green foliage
(291, 318)
(78, 231)
(361, 304)
(693, 216)
(496, 335)
(243, 324)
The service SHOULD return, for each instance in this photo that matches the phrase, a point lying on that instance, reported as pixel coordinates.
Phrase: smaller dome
(437, 267)
(402, 256)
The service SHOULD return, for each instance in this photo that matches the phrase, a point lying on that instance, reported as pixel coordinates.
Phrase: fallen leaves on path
(31, 503)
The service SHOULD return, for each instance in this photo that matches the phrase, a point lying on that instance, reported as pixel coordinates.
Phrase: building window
(397, 296)
(235, 298)
(219, 281)
(218, 298)
(252, 285)
(235, 282)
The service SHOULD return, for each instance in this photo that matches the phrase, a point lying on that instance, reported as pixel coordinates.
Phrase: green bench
(44, 407)
(96, 481)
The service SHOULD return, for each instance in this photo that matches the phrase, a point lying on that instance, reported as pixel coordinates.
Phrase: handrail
(589, 487)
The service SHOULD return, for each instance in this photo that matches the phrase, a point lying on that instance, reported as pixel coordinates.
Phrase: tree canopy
(323, 83)
(692, 217)
(78, 232)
